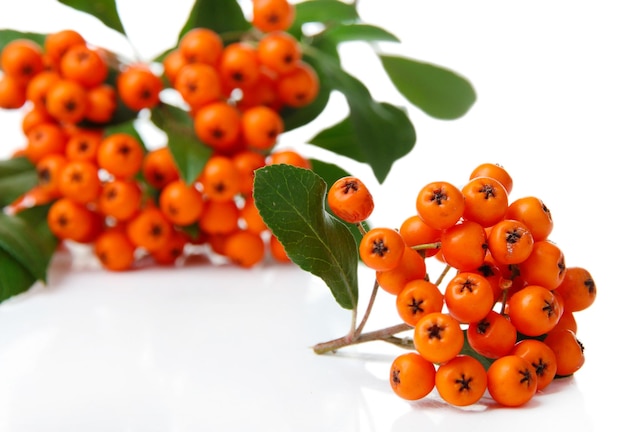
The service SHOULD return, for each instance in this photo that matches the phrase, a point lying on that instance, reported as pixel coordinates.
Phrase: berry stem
(368, 310)
(443, 275)
(386, 335)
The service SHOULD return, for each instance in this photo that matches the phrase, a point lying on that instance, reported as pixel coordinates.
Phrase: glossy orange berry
(38, 87)
(239, 66)
(461, 381)
(21, 59)
(468, 297)
(411, 376)
(83, 145)
(120, 199)
(138, 87)
(279, 51)
(218, 125)
(172, 250)
(492, 336)
(114, 250)
(569, 351)
(299, 87)
(289, 157)
(45, 139)
(35, 116)
(57, 43)
(244, 248)
(102, 103)
(411, 267)
(464, 245)
(381, 248)
(544, 266)
(67, 101)
(350, 200)
(49, 170)
(418, 298)
(79, 180)
(510, 242)
(173, 62)
(219, 217)
(149, 229)
(534, 214)
(13, 94)
(511, 381)
(440, 204)
(198, 84)
(201, 45)
(121, 155)
(247, 161)
(416, 232)
(181, 203)
(534, 310)
(83, 64)
(220, 178)
(577, 289)
(494, 171)
(486, 201)
(272, 15)
(541, 357)
(159, 168)
(277, 250)
(261, 126)
(251, 218)
(438, 337)
(69, 220)
(264, 92)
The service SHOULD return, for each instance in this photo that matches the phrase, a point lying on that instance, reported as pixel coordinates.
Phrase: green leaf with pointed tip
(26, 238)
(103, 10)
(291, 203)
(223, 16)
(188, 151)
(17, 176)
(7, 35)
(439, 92)
(358, 32)
(325, 11)
(14, 277)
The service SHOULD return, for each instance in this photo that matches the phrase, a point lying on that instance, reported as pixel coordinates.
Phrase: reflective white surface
(205, 348)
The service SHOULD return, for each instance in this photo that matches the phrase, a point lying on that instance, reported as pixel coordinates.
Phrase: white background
(200, 349)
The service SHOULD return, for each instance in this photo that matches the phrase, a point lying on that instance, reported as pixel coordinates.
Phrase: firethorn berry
(496, 172)
(12, 93)
(567, 321)
(121, 155)
(510, 242)
(21, 59)
(491, 271)
(411, 376)
(44, 139)
(49, 170)
(218, 125)
(511, 381)
(299, 87)
(101, 103)
(66, 101)
(534, 310)
(350, 200)
(83, 145)
(69, 220)
(173, 62)
(181, 203)
(79, 180)
(264, 92)
(261, 127)
(38, 87)
(272, 15)
(251, 218)
(577, 289)
(540, 356)
(438, 337)
(381, 248)
(416, 232)
(492, 336)
(172, 250)
(544, 266)
(279, 51)
(201, 45)
(219, 217)
(84, 65)
(486, 201)
(139, 87)
(461, 381)
(440, 204)
(411, 267)
(120, 199)
(239, 66)
(569, 351)
(244, 248)
(56, 44)
(159, 168)
(149, 229)
(534, 214)
(220, 178)
(464, 245)
(114, 250)
(289, 157)
(419, 297)
(247, 161)
(198, 84)
(34, 116)
(277, 250)
(469, 297)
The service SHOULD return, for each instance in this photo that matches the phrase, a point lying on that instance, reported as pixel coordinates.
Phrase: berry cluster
(503, 321)
(107, 189)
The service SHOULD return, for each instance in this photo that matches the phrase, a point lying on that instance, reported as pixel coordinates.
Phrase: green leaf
(291, 203)
(223, 16)
(103, 10)
(26, 238)
(7, 36)
(188, 151)
(439, 92)
(357, 32)
(14, 277)
(17, 176)
(325, 11)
